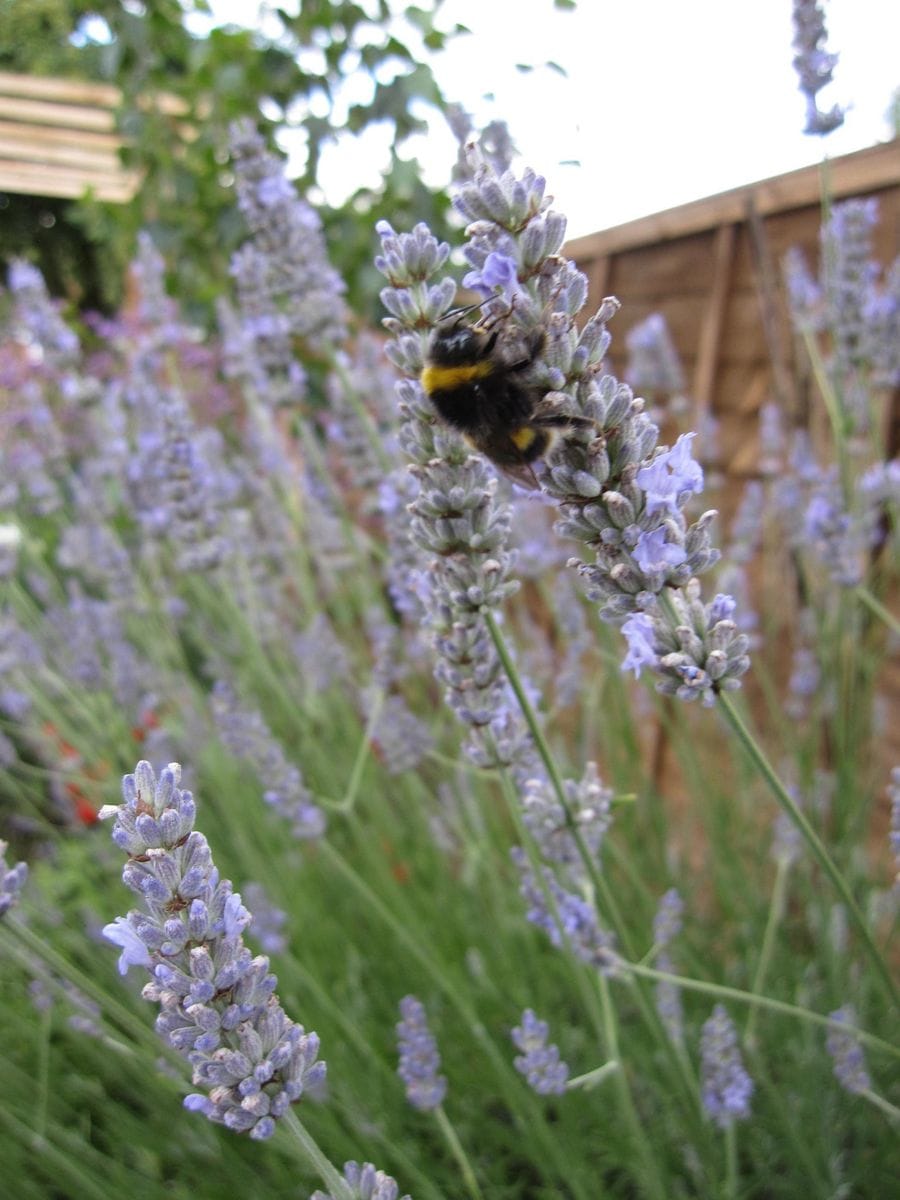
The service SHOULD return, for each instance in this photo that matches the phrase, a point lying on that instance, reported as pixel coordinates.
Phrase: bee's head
(453, 344)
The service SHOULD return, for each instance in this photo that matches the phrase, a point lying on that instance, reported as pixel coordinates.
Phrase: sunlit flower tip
(367, 1183)
(847, 1052)
(640, 635)
(670, 476)
(539, 1062)
(726, 1087)
(12, 880)
(419, 1057)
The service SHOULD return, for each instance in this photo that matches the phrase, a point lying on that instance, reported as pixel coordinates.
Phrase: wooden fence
(712, 268)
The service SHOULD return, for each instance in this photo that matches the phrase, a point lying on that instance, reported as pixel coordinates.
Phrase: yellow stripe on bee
(524, 437)
(447, 379)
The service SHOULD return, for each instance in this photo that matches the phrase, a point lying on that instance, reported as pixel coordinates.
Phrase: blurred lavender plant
(846, 1052)
(654, 367)
(12, 880)
(287, 289)
(539, 1062)
(667, 924)
(894, 797)
(367, 1183)
(420, 1060)
(726, 1087)
(218, 1004)
(247, 736)
(814, 65)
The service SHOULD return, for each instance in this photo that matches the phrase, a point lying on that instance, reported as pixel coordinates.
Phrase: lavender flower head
(539, 1063)
(814, 65)
(847, 1053)
(725, 1085)
(367, 1183)
(286, 286)
(667, 924)
(619, 494)
(218, 1006)
(894, 796)
(12, 880)
(420, 1060)
(455, 516)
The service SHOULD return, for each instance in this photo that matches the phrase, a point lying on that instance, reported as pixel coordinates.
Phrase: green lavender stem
(724, 992)
(821, 855)
(776, 912)
(875, 606)
(456, 1149)
(333, 1180)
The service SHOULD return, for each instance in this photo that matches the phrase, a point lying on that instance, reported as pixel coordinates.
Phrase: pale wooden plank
(30, 179)
(43, 112)
(67, 91)
(49, 135)
(60, 153)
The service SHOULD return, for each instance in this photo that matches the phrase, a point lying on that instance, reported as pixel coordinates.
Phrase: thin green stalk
(724, 992)
(456, 1149)
(346, 805)
(832, 407)
(731, 1165)
(776, 912)
(638, 1132)
(821, 855)
(875, 606)
(335, 1182)
(890, 1110)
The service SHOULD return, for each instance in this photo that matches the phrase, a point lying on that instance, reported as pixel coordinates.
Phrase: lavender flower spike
(367, 1184)
(218, 1006)
(419, 1057)
(814, 65)
(12, 880)
(538, 1062)
(726, 1086)
(849, 1060)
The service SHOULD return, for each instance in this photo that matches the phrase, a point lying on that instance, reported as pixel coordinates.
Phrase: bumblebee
(487, 399)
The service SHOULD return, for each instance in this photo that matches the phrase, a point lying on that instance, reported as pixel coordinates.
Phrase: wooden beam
(65, 91)
(713, 322)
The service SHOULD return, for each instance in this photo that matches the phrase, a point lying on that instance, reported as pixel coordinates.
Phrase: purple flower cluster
(287, 289)
(539, 1062)
(247, 736)
(218, 1003)
(846, 1052)
(367, 1183)
(618, 493)
(455, 516)
(814, 65)
(567, 918)
(667, 925)
(726, 1087)
(589, 806)
(12, 880)
(654, 368)
(420, 1060)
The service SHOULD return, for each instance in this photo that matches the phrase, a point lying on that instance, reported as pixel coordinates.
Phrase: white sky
(665, 101)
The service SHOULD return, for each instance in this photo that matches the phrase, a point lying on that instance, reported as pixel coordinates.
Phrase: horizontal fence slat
(44, 112)
(31, 179)
(60, 154)
(67, 91)
(39, 136)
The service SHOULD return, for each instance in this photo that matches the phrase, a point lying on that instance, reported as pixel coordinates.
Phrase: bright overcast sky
(664, 101)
